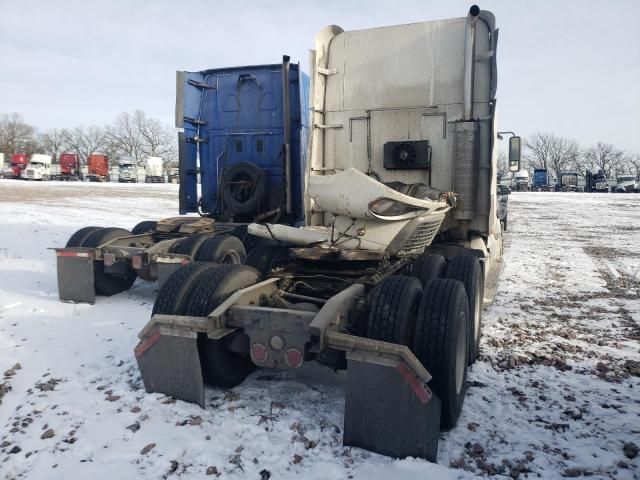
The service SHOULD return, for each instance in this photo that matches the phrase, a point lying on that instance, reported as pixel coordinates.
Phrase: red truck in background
(19, 162)
(98, 167)
(69, 167)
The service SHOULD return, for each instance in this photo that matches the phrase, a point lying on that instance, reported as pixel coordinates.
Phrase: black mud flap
(388, 411)
(75, 274)
(170, 364)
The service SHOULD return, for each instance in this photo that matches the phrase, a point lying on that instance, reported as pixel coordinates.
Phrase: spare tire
(244, 185)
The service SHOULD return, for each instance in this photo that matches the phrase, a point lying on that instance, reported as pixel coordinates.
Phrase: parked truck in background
(402, 241)
(251, 156)
(628, 184)
(569, 182)
(520, 181)
(19, 162)
(39, 167)
(540, 180)
(127, 170)
(154, 170)
(69, 167)
(97, 168)
(173, 175)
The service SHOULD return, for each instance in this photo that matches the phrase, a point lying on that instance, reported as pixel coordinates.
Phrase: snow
(555, 392)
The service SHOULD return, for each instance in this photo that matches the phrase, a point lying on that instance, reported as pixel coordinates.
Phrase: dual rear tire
(432, 322)
(197, 289)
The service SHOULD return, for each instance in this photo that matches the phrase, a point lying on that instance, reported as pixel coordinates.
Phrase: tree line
(559, 155)
(131, 134)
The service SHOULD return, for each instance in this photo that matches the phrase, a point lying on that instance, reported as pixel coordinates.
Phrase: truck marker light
(136, 261)
(259, 353)
(74, 254)
(109, 259)
(293, 357)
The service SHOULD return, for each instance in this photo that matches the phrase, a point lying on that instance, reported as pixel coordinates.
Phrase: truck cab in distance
(39, 167)
(628, 184)
(154, 170)
(97, 168)
(127, 170)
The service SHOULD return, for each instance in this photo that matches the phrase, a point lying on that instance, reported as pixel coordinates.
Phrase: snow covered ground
(556, 392)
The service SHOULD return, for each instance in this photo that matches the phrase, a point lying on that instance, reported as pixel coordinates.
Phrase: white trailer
(628, 184)
(39, 167)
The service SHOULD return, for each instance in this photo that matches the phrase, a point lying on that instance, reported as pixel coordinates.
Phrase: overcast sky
(568, 67)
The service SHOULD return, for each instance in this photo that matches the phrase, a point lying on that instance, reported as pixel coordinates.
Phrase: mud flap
(75, 274)
(388, 411)
(169, 363)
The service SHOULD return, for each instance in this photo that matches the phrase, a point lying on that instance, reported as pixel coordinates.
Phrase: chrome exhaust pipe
(469, 60)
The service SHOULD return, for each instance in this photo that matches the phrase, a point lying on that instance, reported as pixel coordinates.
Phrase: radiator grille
(422, 236)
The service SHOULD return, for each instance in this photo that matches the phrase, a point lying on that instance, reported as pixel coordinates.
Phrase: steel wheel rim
(231, 257)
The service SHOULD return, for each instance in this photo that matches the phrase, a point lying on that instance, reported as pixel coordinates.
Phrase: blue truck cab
(243, 134)
(540, 179)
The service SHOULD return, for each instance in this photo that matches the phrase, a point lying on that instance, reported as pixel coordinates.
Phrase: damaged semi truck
(244, 133)
(402, 243)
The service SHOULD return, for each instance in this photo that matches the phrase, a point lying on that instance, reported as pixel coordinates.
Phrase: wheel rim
(231, 257)
(461, 358)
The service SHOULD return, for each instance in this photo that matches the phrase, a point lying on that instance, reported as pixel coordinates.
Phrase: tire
(394, 305)
(106, 284)
(427, 267)
(147, 226)
(80, 236)
(266, 256)
(440, 343)
(244, 186)
(467, 269)
(221, 366)
(175, 293)
(189, 245)
(249, 241)
(225, 249)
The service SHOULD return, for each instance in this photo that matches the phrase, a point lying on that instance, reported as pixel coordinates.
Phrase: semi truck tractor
(98, 168)
(154, 170)
(244, 132)
(19, 162)
(39, 167)
(69, 164)
(127, 170)
(540, 180)
(569, 182)
(400, 249)
(520, 181)
(628, 184)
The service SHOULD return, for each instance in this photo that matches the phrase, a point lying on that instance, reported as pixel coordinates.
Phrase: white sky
(568, 67)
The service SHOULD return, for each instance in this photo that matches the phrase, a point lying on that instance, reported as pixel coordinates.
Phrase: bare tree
(634, 164)
(53, 142)
(138, 136)
(503, 165)
(605, 157)
(550, 152)
(86, 140)
(16, 136)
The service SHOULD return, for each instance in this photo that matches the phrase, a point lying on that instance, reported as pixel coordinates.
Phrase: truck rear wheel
(106, 284)
(146, 226)
(80, 236)
(441, 344)
(221, 249)
(221, 366)
(189, 245)
(394, 308)
(249, 241)
(175, 293)
(467, 269)
(266, 256)
(427, 267)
